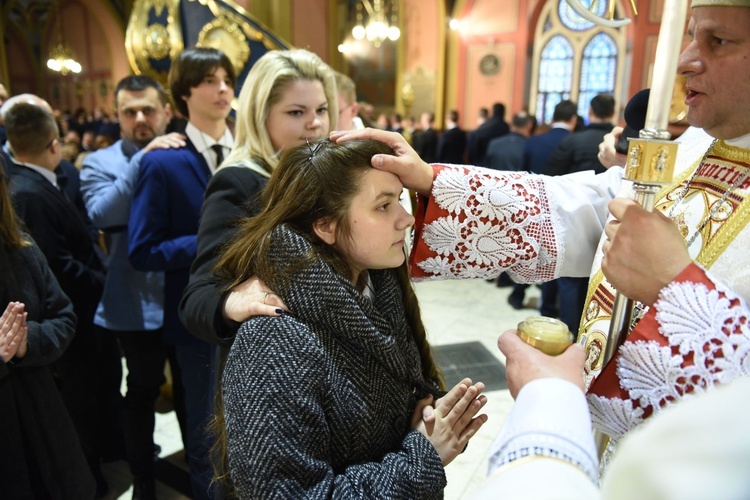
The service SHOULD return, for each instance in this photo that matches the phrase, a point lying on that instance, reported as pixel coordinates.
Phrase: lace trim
(492, 222)
(708, 344)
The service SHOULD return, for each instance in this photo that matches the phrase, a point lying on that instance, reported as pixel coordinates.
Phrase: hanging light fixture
(62, 58)
(382, 21)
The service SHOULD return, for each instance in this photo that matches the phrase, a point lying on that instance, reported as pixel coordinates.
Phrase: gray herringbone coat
(318, 402)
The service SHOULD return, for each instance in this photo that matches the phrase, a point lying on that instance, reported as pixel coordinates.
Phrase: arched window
(574, 58)
(598, 70)
(555, 75)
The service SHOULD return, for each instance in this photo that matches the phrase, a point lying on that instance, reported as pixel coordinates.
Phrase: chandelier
(378, 27)
(62, 58)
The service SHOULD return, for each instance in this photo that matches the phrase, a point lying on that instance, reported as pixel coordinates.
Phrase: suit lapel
(198, 163)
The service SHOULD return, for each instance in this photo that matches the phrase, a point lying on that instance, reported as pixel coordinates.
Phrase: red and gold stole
(695, 203)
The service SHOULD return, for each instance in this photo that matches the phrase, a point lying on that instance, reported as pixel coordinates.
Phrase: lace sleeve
(694, 338)
(478, 223)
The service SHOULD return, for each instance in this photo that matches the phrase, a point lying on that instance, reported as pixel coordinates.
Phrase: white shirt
(203, 143)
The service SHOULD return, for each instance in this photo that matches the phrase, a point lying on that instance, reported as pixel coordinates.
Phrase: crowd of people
(267, 263)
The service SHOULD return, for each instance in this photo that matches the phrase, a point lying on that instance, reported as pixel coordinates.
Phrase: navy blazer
(539, 148)
(164, 218)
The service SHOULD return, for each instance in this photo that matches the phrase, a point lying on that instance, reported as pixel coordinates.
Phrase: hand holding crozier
(644, 251)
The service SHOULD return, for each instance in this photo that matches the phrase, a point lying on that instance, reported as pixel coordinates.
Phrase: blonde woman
(288, 96)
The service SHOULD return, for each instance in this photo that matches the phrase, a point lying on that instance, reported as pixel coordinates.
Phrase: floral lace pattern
(493, 223)
(708, 344)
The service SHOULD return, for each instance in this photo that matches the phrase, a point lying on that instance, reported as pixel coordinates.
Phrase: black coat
(428, 143)
(452, 146)
(40, 456)
(491, 129)
(578, 151)
(231, 194)
(64, 237)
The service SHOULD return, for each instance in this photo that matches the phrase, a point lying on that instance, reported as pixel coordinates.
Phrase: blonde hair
(346, 88)
(263, 87)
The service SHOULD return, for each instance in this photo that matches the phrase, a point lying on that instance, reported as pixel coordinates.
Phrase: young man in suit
(132, 306)
(89, 370)
(164, 217)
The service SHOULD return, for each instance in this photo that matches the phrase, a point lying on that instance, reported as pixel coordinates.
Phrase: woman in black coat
(40, 456)
(266, 125)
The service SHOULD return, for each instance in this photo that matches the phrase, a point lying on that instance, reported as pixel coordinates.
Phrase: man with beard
(132, 306)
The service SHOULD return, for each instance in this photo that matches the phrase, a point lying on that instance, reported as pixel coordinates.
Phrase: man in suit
(164, 218)
(576, 153)
(428, 139)
(89, 370)
(452, 145)
(536, 153)
(538, 149)
(491, 129)
(506, 152)
(132, 306)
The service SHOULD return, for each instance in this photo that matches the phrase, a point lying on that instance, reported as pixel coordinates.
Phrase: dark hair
(484, 112)
(30, 128)
(603, 105)
(498, 110)
(453, 115)
(298, 194)
(189, 70)
(136, 83)
(564, 111)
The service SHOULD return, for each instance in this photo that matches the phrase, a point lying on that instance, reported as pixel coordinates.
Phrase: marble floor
(453, 312)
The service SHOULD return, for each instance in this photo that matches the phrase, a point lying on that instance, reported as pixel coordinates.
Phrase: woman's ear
(325, 228)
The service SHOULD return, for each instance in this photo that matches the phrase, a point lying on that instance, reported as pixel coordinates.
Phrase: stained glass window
(555, 76)
(598, 70)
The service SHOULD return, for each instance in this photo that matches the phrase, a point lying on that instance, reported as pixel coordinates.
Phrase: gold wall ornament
(157, 41)
(162, 40)
(226, 35)
(407, 97)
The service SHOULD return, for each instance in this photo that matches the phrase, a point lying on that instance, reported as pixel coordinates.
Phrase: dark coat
(505, 153)
(318, 402)
(232, 193)
(41, 456)
(578, 151)
(428, 143)
(491, 129)
(164, 217)
(452, 146)
(64, 238)
(539, 148)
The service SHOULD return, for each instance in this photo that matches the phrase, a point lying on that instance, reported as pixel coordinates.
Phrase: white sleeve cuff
(550, 418)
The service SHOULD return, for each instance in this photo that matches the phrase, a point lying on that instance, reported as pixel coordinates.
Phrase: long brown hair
(303, 189)
(10, 228)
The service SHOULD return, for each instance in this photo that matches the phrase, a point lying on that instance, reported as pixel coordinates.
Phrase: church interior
(407, 58)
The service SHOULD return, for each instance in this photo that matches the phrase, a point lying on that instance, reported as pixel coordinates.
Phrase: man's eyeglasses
(50, 143)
